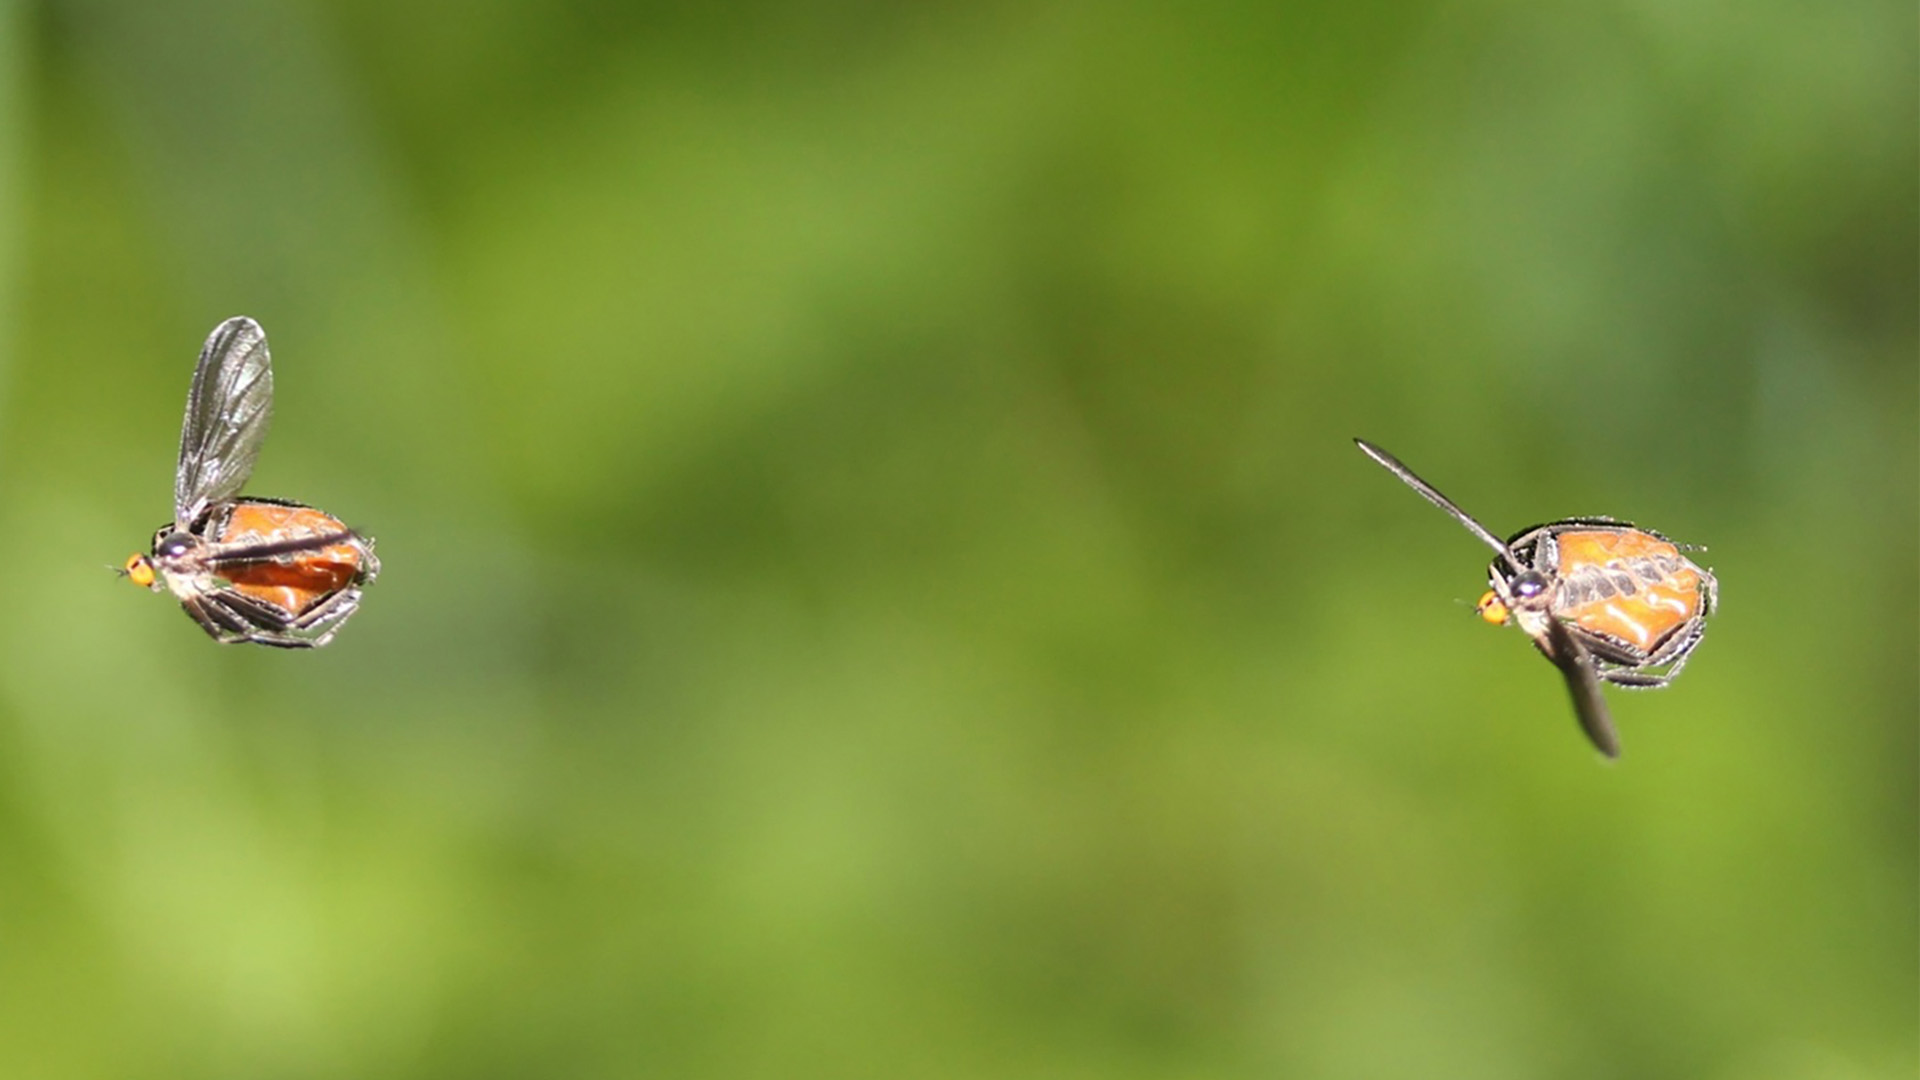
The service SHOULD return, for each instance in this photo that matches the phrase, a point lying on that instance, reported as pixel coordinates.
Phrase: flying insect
(267, 571)
(1604, 600)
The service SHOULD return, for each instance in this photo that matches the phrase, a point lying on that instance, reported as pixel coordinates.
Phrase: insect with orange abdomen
(268, 571)
(1604, 600)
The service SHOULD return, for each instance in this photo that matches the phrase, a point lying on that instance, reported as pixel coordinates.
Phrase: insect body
(1602, 599)
(268, 571)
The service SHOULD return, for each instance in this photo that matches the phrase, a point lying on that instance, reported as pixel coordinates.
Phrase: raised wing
(1577, 665)
(1432, 494)
(227, 411)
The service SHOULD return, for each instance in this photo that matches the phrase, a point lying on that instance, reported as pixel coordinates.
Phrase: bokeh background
(878, 582)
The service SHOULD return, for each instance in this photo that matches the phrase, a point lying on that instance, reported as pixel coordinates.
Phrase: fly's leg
(221, 623)
(1636, 680)
(231, 616)
(1664, 664)
(317, 625)
(1709, 591)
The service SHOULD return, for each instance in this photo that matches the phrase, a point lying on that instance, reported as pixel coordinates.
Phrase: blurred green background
(878, 582)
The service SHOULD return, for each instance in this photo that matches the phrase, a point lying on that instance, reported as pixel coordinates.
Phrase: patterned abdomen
(1628, 585)
(294, 582)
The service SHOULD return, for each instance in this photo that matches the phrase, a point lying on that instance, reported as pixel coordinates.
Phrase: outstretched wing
(1576, 664)
(1432, 494)
(227, 410)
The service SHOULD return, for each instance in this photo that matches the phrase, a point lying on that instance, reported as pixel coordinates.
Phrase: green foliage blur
(878, 582)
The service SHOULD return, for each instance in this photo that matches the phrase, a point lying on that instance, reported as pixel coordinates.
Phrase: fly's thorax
(1534, 548)
(1533, 622)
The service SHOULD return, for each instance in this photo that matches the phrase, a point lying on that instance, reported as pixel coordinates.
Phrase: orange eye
(1491, 609)
(140, 571)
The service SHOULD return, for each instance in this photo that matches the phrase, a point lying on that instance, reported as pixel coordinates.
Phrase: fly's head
(140, 570)
(170, 547)
(1525, 597)
(172, 544)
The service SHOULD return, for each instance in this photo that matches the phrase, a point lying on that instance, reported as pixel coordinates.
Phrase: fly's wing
(1577, 666)
(227, 410)
(1432, 494)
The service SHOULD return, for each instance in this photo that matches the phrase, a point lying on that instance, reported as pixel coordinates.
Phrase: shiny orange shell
(303, 579)
(1629, 585)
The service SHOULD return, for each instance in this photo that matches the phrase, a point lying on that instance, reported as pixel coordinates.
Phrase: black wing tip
(1595, 719)
(237, 323)
(1608, 749)
(1589, 707)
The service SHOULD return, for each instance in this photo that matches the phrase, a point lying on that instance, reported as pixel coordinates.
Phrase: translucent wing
(227, 410)
(1432, 494)
(1575, 663)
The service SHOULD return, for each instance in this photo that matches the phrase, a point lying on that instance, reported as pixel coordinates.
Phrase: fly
(269, 571)
(1602, 599)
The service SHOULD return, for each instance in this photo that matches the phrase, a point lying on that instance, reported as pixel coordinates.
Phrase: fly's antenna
(1393, 465)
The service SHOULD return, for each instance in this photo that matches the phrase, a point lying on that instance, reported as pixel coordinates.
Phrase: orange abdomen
(1627, 585)
(297, 581)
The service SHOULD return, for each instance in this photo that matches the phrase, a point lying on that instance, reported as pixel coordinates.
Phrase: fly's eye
(1529, 585)
(173, 545)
